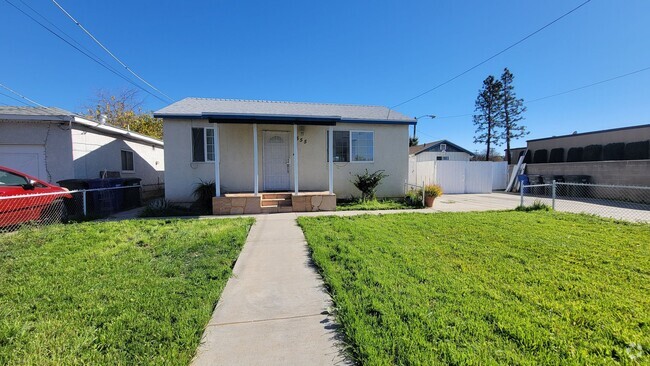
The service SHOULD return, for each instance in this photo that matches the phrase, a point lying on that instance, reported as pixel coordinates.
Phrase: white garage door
(28, 159)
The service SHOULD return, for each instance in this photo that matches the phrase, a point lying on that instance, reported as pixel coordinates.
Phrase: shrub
(557, 155)
(414, 198)
(529, 157)
(615, 151)
(541, 156)
(536, 206)
(574, 154)
(204, 191)
(367, 183)
(637, 150)
(164, 208)
(592, 153)
(432, 190)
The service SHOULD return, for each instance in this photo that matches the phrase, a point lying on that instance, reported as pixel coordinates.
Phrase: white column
(295, 159)
(330, 154)
(217, 178)
(256, 174)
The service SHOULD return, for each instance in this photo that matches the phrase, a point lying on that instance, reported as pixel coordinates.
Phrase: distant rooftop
(34, 111)
(216, 108)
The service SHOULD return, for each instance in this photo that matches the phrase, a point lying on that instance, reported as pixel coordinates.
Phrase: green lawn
(358, 205)
(487, 288)
(113, 293)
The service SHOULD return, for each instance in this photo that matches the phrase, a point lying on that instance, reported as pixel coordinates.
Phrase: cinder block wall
(620, 172)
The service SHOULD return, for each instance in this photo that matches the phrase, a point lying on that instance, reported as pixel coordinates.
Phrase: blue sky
(359, 52)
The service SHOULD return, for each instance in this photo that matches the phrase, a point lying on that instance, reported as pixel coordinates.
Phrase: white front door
(276, 160)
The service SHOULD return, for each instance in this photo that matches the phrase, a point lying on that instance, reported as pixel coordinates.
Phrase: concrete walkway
(273, 311)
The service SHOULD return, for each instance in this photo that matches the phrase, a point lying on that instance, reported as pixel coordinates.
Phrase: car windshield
(11, 179)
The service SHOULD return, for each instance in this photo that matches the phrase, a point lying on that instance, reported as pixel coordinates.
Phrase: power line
(110, 53)
(84, 53)
(491, 57)
(38, 105)
(16, 99)
(22, 96)
(567, 91)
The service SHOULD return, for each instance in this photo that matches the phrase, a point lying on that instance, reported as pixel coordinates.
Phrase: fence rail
(47, 208)
(631, 203)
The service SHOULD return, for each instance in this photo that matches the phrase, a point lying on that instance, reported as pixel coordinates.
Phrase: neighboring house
(266, 146)
(440, 150)
(53, 144)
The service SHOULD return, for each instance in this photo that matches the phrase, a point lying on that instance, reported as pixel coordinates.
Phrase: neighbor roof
(6, 111)
(293, 111)
(414, 150)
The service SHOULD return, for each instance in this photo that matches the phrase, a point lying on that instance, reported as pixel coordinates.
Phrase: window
(352, 146)
(203, 146)
(127, 161)
(11, 179)
(443, 147)
(442, 157)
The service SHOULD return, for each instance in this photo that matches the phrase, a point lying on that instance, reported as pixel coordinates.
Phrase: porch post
(217, 175)
(330, 154)
(295, 158)
(256, 177)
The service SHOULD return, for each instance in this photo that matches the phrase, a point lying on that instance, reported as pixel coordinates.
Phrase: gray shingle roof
(204, 107)
(414, 150)
(33, 111)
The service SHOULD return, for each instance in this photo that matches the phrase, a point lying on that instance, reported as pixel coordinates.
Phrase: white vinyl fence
(460, 176)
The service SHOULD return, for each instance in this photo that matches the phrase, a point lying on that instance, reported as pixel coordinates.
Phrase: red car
(24, 198)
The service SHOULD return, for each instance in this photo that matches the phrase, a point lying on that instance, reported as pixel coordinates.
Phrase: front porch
(273, 202)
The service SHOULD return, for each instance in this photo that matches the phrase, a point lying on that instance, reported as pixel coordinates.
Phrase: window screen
(127, 160)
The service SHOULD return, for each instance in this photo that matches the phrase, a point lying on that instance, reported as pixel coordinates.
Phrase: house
(618, 156)
(307, 154)
(440, 150)
(54, 144)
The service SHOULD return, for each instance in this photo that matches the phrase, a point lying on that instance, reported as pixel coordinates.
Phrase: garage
(28, 159)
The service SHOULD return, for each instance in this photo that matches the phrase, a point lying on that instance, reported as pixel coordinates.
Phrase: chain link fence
(29, 210)
(628, 203)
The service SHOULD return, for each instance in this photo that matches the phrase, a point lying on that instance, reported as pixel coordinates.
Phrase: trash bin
(523, 181)
(578, 191)
(534, 179)
(560, 189)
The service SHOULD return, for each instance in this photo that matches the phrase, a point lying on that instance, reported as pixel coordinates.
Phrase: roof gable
(433, 146)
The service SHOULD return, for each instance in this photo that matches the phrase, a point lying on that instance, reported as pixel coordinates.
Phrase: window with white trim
(127, 161)
(353, 146)
(203, 146)
(442, 157)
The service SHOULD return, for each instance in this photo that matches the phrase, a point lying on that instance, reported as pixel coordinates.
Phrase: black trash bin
(578, 191)
(560, 189)
(535, 179)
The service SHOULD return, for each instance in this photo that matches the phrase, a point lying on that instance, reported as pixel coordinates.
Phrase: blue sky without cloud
(359, 52)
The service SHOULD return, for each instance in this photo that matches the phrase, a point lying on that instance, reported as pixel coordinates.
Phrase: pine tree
(511, 113)
(486, 119)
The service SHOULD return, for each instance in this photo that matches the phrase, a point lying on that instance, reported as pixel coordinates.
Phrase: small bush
(557, 155)
(541, 156)
(637, 150)
(615, 151)
(592, 153)
(536, 206)
(529, 157)
(164, 208)
(367, 183)
(432, 190)
(574, 155)
(204, 191)
(414, 198)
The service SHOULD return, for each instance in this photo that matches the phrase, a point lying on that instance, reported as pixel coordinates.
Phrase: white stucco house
(268, 156)
(441, 150)
(53, 144)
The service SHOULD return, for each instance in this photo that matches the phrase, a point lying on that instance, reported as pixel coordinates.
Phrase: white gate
(460, 176)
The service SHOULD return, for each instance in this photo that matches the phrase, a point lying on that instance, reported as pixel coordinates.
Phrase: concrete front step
(276, 209)
(270, 200)
(271, 196)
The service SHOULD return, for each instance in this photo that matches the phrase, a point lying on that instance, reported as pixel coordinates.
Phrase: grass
(113, 293)
(359, 205)
(511, 287)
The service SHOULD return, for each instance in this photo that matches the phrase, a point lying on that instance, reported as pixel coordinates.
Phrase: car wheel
(55, 213)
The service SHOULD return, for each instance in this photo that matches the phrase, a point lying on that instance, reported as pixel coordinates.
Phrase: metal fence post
(423, 203)
(521, 194)
(553, 195)
(84, 202)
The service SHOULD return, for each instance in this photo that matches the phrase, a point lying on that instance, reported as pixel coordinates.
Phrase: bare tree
(124, 109)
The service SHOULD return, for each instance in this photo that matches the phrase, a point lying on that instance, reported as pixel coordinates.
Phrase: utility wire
(109, 52)
(16, 99)
(491, 57)
(84, 53)
(22, 96)
(565, 92)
